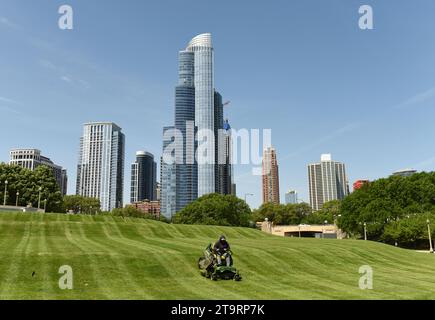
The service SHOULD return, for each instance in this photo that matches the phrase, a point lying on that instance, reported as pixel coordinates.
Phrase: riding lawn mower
(209, 267)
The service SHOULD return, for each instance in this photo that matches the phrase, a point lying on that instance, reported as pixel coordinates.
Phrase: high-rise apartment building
(327, 181)
(291, 197)
(158, 191)
(32, 158)
(186, 171)
(224, 172)
(405, 173)
(100, 171)
(168, 179)
(270, 176)
(202, 48)
(198, 109)
(143, 178)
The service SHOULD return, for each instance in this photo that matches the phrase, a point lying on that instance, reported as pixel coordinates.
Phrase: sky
(303, 69)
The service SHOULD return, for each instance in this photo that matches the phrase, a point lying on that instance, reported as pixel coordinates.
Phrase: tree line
(394, 209)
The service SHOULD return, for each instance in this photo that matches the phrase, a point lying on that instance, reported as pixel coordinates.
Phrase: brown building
(359, 184)
(151, 207)
(270, 176)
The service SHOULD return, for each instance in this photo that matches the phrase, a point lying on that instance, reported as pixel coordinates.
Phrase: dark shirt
(221, 246)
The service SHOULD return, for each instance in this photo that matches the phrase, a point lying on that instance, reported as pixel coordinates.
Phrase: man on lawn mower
(222, 249)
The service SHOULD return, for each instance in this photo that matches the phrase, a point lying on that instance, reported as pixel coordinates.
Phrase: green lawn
(113, 258)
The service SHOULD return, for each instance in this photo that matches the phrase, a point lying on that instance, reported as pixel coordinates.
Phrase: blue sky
(301, 68)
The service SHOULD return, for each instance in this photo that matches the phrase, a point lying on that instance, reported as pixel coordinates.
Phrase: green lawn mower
(209, 268)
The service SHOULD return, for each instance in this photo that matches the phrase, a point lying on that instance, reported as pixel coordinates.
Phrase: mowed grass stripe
(109, 266)
(154, 253)
(95, 284)
(15, 263)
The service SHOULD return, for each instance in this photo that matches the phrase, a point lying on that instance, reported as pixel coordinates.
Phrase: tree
(410, 231)
(281, 214)
(329, 213)
(28, 184)
(79, 204)
(215, 209)
(385, 201)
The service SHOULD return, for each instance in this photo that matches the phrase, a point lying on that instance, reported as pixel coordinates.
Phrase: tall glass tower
(202, 48)
(198, 113)
(186, 169)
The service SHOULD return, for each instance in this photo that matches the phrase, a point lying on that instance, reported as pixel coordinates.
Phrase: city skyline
(54, 81)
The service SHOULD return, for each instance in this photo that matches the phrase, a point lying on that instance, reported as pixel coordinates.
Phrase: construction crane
(226, 103)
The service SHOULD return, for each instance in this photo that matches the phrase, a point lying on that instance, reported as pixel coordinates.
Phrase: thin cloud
(418, 99)
(10, 110)
(6, 22)
(425, 163)
(66, 79)
(7, 100)
(48, 65)
(334, 134)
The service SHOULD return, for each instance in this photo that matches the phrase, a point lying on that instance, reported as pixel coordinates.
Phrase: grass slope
(113, 258)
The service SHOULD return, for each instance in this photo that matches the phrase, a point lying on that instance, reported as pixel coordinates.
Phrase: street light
(248, 194)
(6, 192)
(16, 201)
(430, 237)
(365, 231)
(39, 198)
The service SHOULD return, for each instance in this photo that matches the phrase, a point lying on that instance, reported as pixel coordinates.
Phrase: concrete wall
(299, 230)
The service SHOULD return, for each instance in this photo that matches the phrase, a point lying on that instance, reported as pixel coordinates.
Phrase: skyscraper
(198, 113)
(32, 158)
(270, 176)
(202, 48)
(291, 197)
(224, 167)
(143, 178)
(186, 174)
(100, 171)
(327, 181)
(168, 179)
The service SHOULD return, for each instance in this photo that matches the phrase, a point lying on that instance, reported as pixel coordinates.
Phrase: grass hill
(116, 258)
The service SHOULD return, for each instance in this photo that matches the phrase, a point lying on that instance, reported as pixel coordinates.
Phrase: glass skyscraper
(100, 171)
(186, 168)
(143, 178)
(202, 48)
(198, 109)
